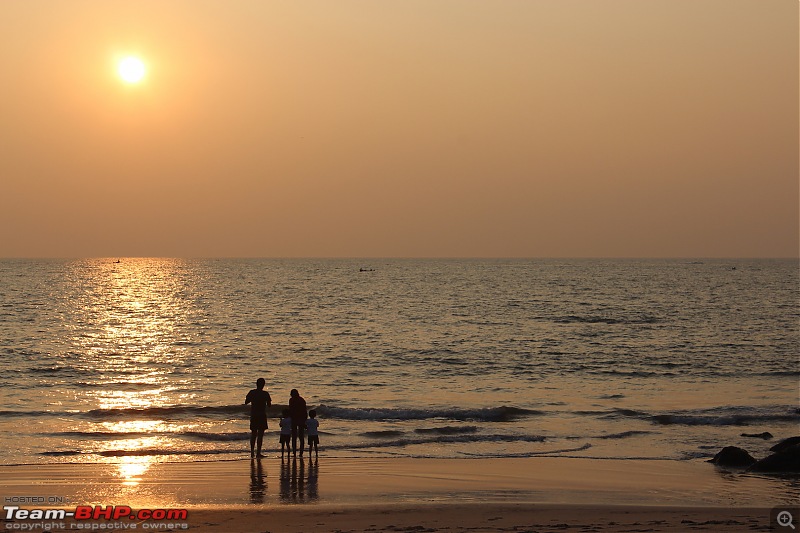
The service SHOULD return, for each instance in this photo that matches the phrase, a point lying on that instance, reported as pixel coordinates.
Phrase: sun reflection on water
(123, 453)
(119, 399)
(129, 332)
(135, 312)
(132, 469)
(134, 426)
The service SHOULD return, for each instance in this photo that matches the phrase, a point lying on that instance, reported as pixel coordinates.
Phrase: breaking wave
(488, 414)
(717, 416)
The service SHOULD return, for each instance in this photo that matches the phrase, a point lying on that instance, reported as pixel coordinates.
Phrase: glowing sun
(131, 69)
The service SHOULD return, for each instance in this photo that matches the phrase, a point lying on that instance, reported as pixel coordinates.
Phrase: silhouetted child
(312, 425)
(286, 431)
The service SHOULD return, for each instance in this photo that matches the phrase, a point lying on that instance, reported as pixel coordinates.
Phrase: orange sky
(457, 128)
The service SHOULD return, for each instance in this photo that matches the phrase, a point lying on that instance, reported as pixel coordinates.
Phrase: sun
(131, 69)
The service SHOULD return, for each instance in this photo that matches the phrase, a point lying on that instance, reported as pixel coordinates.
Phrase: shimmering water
(150, 359)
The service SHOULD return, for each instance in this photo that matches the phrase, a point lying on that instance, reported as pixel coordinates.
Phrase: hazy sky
(459, 128)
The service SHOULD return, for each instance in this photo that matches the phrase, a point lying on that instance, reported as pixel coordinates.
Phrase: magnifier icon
(785, 519)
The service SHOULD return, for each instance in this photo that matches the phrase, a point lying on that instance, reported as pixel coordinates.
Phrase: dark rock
(785, 461)
(786, 443)
(766, 435)
(733, 456)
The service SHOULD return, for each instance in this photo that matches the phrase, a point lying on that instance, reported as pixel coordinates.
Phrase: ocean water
(146, 360)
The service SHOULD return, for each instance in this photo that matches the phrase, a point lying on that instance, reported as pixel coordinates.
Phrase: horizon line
(378, 258)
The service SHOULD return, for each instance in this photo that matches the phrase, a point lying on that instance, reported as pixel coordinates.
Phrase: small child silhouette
(312, 425)
(286, 431)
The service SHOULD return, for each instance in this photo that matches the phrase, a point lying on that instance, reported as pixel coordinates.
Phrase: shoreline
(433, 495)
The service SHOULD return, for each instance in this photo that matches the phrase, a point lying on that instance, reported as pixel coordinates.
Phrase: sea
(138, 361)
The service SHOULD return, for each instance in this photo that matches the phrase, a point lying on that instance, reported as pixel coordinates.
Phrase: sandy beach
(487, 518)
(334, 494)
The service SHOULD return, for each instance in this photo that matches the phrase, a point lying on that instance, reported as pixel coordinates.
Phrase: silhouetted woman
(297, 411)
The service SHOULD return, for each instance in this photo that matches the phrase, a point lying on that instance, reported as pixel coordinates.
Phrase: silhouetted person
(297, 410)
(258, 415)
(286, 431)
(312, 425)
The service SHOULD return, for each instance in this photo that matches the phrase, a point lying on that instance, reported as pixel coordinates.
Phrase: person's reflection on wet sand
(313, 483)
(285, 480)
(292, 489)
(258, 483)
(293, 481)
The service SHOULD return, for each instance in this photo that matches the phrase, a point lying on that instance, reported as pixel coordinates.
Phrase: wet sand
(328, 494)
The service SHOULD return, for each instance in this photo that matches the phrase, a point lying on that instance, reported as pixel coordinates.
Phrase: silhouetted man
(258, 415)
(297, 411)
